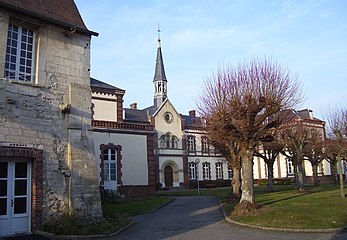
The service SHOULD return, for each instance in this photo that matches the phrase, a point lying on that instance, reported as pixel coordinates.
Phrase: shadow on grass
(266, 202)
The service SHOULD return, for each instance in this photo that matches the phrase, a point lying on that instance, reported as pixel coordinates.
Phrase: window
(204, 144)
(191, 143)
(19, 53)
(230, 171)
(206, 170)
(219, 170)
(169, 141)
(109, 164)
(192, 170)
(290, 167)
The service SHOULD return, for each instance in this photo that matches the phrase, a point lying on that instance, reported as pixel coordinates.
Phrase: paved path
(200, 218)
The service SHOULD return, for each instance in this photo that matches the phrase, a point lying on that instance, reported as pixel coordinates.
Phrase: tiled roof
(59, 12)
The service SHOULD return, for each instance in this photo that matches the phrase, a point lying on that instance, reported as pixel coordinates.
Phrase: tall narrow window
(290, 167)
(109, 165)
(192, 170)
(191, 143)
(19, 53)
(219, 170)
(206, 170)
(204, 144)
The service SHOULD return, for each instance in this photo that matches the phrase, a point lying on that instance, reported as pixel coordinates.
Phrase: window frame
(192, 170)
(191, 144)
(118, 162)
(206, 166)
(219, 170)
(20, 53)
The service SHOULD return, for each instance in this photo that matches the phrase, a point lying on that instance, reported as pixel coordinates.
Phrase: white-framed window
(206, 170)
(110, 172)
(204, 144)
(192, 170)
(19, 62)
(191, 143)
(290, 167)
(219, 170)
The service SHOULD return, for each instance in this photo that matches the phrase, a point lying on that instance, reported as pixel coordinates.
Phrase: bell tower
(159, 80)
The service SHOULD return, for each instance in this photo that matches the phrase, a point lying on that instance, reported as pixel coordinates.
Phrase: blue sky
(308, 37)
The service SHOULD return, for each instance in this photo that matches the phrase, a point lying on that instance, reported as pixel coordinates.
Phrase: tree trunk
(247, 203)
(315, 175)
(300, 177)
(334, 172)
(270, 178)
(236, 184)
(342, 188)
(296, 177)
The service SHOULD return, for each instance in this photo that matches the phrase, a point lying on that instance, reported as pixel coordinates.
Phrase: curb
(54, 236)
(229, 220)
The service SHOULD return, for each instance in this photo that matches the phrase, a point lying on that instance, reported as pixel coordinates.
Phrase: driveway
(200, 218)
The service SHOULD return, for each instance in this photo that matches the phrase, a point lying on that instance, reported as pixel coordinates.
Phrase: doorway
(168, 174)
(15, 197)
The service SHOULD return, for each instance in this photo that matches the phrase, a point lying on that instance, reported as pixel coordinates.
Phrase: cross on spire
(158, 35)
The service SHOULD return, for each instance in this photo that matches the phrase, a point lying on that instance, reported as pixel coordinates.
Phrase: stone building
(47, 162)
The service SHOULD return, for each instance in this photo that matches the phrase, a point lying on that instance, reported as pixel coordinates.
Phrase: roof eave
(47, 19)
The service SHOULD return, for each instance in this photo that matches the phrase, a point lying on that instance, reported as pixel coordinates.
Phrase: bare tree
(268, 151)
(295, 138)
(330, 153)
(244, 101)
(337, 130)
(313, 152)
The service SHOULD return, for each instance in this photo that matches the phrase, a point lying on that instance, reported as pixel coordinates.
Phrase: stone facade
(52, 114)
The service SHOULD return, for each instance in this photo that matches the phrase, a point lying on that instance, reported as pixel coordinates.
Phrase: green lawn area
(316, 208)
(116, 214)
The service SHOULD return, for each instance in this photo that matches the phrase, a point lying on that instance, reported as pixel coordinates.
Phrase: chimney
(192, 113)
(133, 106)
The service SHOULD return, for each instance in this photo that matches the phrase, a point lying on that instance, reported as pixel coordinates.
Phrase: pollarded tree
(337, 130)
(242, 102)
(295, 138)
(268, 151)
(331, 154)
(313, 151)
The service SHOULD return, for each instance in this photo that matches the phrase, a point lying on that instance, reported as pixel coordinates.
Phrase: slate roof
(63, 13)
(192, 121)
(135, 115)
(97, 83)
(159, 74)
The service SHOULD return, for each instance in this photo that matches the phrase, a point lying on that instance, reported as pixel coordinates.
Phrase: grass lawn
(317, 208)
(117, 215)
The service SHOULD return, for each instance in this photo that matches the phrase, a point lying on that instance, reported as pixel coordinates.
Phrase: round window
(168, 117)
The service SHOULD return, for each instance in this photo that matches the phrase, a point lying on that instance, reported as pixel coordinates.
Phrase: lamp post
(197, 173)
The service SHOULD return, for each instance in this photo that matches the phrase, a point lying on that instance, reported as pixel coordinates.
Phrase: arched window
(169, 141)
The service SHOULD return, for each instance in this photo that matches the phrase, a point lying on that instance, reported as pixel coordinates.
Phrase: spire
(159, 80)
(159, 74)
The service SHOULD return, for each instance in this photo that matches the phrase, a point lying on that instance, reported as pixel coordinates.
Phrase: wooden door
(168, 176)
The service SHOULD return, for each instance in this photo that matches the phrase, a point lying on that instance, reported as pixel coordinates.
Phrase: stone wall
(53, 113)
